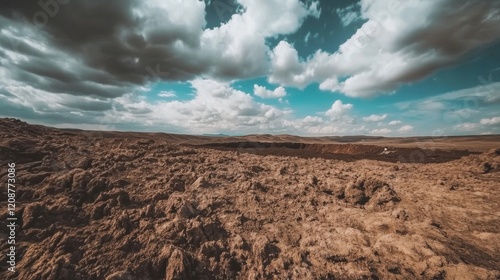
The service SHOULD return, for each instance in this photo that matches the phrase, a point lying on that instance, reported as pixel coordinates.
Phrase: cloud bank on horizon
(392, 68)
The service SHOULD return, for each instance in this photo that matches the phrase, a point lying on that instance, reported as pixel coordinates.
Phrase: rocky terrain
(117, 206)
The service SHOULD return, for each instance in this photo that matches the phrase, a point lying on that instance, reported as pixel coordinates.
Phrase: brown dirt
(116, 206)
(345, 152)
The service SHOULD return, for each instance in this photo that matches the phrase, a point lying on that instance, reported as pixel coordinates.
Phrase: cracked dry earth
(115, 208)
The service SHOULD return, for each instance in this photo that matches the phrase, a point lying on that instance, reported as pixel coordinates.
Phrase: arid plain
(124, 205)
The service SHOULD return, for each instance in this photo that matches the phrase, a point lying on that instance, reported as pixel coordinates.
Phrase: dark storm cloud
(456, 26)
(88, 105)
(114, 47)
(400, 42)
(93, 47)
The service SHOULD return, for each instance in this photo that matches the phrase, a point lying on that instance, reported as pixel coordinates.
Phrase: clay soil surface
(124, 205)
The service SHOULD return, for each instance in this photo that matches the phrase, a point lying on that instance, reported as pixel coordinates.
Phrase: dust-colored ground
(107, 205)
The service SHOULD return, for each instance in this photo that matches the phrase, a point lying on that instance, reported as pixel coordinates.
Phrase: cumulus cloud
(395, 122)
(215, 107)
(349, 14)
(338, 109)
(492, 121)
(381, 131)
(405, 128)
(263, 92)
(467, 126)
(167, 94)
(375, 118)
(125, 44)
(287, 68)
(400, 42)
(312, 121)
(455, 107)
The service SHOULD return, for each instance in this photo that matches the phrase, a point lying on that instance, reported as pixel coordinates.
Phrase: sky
(236, 67)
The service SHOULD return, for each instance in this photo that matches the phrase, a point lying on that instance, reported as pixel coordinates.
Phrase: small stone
(31, 214)
(84, 164)
(487, 168)
(178, 266)
(98, 211)
(281, 171)
(256, 169)
(150, 211)
(201, 182)
(189, 210)
(120, 275)
(313, 180)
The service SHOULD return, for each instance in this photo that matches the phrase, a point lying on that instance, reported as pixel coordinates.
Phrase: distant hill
(215, 135)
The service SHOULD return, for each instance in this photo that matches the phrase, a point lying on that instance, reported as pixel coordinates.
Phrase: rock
(355, 195)
(281, 171)
(258, 186)
(265, 251)
(178, 267)
(84, 164)
(149, 212)
(334, 187)
(120, 275)
(201, 182)
(123, 222)
(493, 152)
(64, 181)
(123, 198)
(312, 180)
(160, 196)
(189, 210)
(256, 169)
(384, 195)
(32, 213)
(34, 179)
(96, 186)
(212, 249)
(119, 183)
(54, 241)
(400, 214)
(194, 233)
(371, 190)
(98, 211)
(176, 184)
(487, 168)
(81, 180)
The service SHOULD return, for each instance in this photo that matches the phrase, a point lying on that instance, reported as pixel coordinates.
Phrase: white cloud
(361, 129)
(466, 126)
(152, 40)
(492, 121)
(215, 107)
(431, 106)
(400, 42)
(286, 66)
(395, 122)
(239, 46)
(455, 107)
(375, 118)
(382, 131)
(471, 98)
(349, 14)
(263, 92)
(338, 109)
(405, 128)
(306, 38)
(166, 94)
(312, 121)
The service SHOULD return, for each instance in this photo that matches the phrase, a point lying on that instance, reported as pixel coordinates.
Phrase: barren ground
(116, 206)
